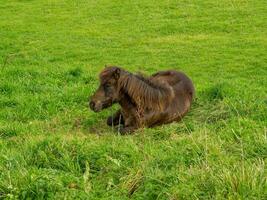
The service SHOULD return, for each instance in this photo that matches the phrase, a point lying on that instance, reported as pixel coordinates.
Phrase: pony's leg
(128, 130)
(153, 119)
(131, 124)
(115, 119)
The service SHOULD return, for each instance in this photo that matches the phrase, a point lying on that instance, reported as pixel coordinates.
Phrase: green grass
(53, 147)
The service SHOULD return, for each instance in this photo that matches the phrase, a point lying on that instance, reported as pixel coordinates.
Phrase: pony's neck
(142, 91)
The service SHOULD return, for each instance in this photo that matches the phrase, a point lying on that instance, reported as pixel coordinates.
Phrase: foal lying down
(164, 97)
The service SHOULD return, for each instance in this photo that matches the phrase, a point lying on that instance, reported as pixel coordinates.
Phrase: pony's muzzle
(95, 106)
(92, 105)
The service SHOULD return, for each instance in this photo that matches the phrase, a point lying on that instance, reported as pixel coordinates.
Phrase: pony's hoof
(110, 121)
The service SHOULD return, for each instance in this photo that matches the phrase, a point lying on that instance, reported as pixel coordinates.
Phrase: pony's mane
(144, 91)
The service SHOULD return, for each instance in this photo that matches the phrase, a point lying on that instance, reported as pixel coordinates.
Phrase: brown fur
(145, 101)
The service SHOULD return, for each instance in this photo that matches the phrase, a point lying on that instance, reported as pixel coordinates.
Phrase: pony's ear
(117, 73)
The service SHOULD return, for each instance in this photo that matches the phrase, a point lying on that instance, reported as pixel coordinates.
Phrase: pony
(161, 98)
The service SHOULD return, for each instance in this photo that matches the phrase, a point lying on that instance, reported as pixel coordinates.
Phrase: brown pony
(162, 98)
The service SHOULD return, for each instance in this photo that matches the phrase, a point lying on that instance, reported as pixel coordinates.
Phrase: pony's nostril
(92, 105)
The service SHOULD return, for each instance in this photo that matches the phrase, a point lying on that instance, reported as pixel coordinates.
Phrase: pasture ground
(53, 147)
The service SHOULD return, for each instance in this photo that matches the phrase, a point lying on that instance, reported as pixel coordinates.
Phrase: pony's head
(108, 91)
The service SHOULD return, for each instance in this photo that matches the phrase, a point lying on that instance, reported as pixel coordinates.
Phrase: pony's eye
(107, 86)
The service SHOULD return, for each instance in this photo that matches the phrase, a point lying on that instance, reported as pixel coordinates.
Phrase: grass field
(53, 147)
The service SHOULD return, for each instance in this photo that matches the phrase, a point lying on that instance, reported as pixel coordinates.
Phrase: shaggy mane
(145, 92)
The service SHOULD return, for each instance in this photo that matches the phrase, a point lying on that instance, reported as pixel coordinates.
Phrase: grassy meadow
(53, 147)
